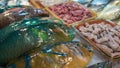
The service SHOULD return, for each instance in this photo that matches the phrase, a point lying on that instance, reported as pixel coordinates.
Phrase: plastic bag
(18, 2)
(46, 3)
(106, 64)
(61, 55)
(31, 36)
(14, 2)
(98, 5)
(19, 13)
(111, 11)
(3, 3)
(84, 2)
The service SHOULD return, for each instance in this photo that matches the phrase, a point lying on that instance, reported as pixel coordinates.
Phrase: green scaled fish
(24, 39)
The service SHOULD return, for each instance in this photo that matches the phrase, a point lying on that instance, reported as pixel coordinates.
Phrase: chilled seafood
(19, 13)
(84, 2)
(111, 11)
(71, 12)
(21, 24)
(26, 38)
(60, 55)
(115, 2)
(5, 8)
(45, 3)
(3, 2)
(76, 55)
(98, 5)
(118, 22)
(105, 36)
(18, 2)
(106, 64)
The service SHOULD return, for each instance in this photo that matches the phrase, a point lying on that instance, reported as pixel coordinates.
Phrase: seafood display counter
(60, 34)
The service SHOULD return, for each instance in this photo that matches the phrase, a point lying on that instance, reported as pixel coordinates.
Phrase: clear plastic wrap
(17, 13)
(98, 5)
(84, 2)
(106, 64)
(31, 34)
(47, 3)
(14, 2)
(3, 3)
(111, 11)
(18, 2)
(60, 55)
(118, 22)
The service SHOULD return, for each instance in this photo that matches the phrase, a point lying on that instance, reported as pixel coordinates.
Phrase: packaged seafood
(14, 2)
(3, 3)
(4, 8)
(16, 14)
(84, 2)
(103, 35)
(31, 35)
(118, 22)
(106, 64)
(18, 2)
(71, 12)
(111, 11)
(60, 55)
(98, 5)
(22, 24)
(115, 2)
(46, 3)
